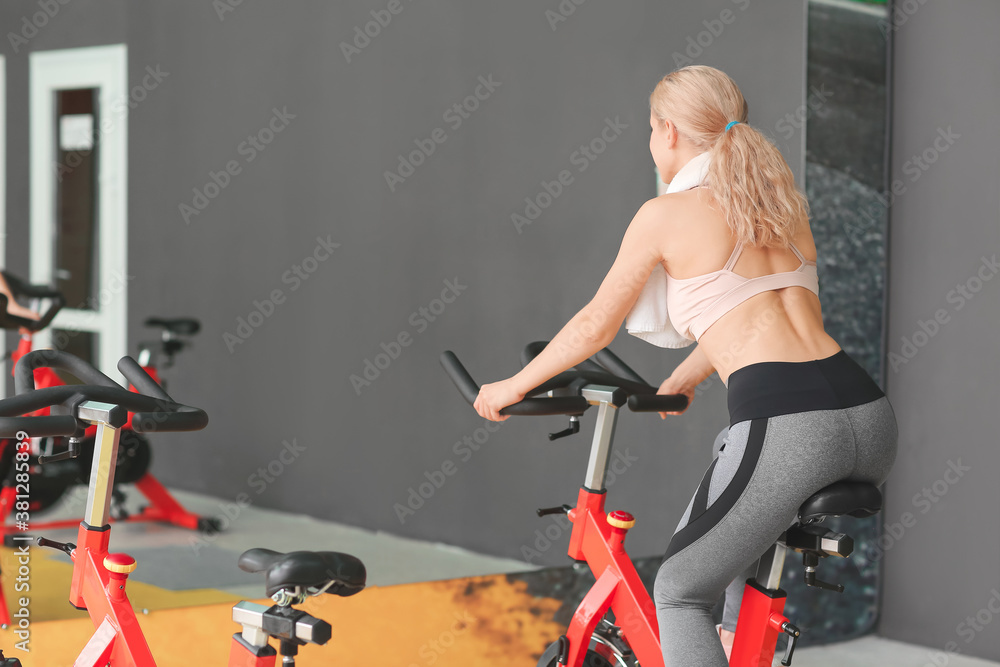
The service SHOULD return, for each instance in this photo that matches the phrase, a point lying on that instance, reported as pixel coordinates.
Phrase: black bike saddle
(858, 499)
(308, 569)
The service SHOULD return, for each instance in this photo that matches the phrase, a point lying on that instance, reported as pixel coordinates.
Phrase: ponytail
(750, 181)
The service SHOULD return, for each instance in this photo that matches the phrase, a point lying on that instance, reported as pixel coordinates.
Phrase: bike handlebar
(153, 409)
(561, 405)
(642, 396)
(19, 287)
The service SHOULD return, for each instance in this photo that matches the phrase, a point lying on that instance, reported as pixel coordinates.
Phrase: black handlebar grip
(184, 419)
(557, 405)
(9, 321)
(657, 402)
(38, 427)
(613, 363)
(467, 387)
(58, 301)
(24, 372)
(561, 405)
(140, 379)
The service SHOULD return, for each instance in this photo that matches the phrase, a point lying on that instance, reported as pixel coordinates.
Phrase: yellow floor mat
(49, 581)
(475, 622)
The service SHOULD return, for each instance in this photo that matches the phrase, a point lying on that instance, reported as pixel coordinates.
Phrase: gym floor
(187, 582)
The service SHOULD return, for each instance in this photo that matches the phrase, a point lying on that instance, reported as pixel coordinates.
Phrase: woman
(725, 256)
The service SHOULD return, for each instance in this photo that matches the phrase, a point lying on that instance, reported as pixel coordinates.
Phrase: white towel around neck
(648, 318)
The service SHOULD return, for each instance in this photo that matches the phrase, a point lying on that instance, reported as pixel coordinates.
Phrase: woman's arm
(694, 370)
(686, 377)
(596, 325)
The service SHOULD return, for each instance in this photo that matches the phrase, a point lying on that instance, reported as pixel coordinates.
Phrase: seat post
(771, 564)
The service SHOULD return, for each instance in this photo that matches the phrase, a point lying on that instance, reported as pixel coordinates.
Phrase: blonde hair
(751, 182)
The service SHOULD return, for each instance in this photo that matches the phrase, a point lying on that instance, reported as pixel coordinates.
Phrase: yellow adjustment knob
(619, 519)
(119, 563)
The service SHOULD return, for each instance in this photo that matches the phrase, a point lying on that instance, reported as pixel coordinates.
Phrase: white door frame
(105, 68)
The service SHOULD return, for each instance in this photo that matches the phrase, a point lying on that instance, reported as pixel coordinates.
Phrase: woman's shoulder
(674, 208)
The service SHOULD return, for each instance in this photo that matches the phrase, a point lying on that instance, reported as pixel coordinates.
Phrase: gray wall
(942, 538)
(323, 176)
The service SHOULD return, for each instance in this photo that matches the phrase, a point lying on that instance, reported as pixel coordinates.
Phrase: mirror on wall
(846, 181)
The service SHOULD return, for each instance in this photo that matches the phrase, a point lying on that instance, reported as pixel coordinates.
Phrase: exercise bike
(135, 454)
(615, 624)
(50, 484)
(99, 576)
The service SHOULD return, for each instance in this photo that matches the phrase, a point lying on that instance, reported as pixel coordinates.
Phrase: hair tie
(731, 123)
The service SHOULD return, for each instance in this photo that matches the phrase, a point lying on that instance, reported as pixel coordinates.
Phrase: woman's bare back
(778, 325)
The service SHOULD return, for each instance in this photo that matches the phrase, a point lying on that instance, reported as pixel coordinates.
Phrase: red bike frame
(597, 538)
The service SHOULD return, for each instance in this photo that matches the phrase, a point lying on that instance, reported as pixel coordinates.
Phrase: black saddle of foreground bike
(309, 569)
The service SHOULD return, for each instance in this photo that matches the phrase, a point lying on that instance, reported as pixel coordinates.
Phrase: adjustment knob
(119, 563)
(620, 519)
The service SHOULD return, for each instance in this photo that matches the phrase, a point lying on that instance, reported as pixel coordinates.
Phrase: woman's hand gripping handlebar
(560, 405)
(152, 408)
(605, 368)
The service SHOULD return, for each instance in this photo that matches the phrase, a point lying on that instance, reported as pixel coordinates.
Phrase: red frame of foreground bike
(117, 638)
(619, 588)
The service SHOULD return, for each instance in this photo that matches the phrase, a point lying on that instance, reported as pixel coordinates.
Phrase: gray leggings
(765, 468)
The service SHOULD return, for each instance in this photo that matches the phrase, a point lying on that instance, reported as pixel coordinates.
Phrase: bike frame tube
(758, 626)
(619, 588)
(118, 636)
(592, 540)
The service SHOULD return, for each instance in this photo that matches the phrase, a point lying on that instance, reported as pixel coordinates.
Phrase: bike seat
(308, 569)
(858, 499)
(182, 326)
